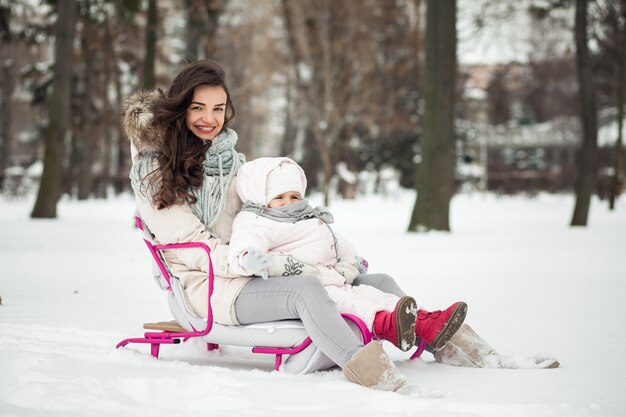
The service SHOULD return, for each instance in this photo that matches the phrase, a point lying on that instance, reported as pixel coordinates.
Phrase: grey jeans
(381, 281)
(304, 298)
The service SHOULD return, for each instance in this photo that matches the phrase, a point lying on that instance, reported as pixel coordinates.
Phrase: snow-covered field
(71, 288)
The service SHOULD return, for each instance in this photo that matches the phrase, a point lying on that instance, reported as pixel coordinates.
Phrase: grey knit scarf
(220, 166)
(290, 213)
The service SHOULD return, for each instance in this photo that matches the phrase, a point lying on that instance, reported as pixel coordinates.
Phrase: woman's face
(205, 114)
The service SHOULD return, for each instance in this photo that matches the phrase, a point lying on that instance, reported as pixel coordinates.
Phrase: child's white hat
(285, 177)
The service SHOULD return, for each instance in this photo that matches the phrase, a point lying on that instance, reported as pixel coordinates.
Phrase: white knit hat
(285, 177)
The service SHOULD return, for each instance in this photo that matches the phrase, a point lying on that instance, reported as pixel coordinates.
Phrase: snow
(501, 32)
(73, 287)
(495, 42)
(607, 134)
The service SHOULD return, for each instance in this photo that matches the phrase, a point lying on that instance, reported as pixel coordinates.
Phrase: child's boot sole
(405, 323)
(451, 327)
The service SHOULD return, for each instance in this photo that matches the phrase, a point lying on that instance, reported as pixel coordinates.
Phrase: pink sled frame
(156, 339)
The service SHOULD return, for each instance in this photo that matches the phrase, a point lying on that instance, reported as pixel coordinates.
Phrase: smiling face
(205, 114)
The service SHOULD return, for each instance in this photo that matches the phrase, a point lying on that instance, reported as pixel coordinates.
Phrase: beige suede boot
(372, 368)
(466, 348)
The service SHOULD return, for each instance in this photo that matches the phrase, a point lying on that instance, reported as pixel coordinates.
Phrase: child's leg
(388, 316)
(304, 298)
(383, 282)
(362, 301)
(436, 328)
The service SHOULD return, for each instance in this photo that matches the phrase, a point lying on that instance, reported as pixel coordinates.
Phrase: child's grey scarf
(290, 213)
(220, 166)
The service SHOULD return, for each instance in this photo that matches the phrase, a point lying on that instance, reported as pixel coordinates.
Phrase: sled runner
(279, 338)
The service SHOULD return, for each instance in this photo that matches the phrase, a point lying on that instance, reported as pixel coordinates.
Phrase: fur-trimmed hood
(138, 119)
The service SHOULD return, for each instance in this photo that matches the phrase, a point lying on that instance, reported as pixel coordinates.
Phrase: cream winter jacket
(310, 241)
(178, 224)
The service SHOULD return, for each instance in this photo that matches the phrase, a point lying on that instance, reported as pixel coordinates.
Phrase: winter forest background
(493, 125)
(511, 96)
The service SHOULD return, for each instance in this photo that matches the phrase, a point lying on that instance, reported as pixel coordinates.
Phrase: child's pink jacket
(310, 241)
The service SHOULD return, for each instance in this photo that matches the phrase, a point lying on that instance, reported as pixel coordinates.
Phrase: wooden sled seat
(166, 326)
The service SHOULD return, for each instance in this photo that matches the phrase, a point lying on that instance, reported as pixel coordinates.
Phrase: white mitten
(256, 262)
(348, 270)
(287, 265)
(361, 264)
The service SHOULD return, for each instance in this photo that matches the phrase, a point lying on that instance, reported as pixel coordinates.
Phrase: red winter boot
(437, 327)
(398, 326)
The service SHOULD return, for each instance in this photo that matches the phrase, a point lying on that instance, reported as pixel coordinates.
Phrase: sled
(280, 338)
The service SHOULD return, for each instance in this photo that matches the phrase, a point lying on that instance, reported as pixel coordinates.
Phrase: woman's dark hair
(182, 153)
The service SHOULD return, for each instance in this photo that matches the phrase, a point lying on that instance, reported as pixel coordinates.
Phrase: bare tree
(498, 98)
(334, 63)
(59, 112)
(86, 134)
(202, 24)
(310, 39)
(6, 87)
(150, 51)
(435, 178)
(249, 47)
(617, 180)
(6, 136)
(124, 38)
(90, 158)
(588, 151)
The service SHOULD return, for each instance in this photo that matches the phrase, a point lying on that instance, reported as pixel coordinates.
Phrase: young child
(276, 221)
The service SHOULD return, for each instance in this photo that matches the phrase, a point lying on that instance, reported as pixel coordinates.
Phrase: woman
(184, 164)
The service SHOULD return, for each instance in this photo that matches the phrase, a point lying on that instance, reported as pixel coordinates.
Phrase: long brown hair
(182, 153)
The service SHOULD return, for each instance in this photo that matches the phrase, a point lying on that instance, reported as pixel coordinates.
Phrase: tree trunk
(327, 162)
(121, 182)
(322, 72)
(85, 144)
(150, 57)
(58, 113)
(294, 89)
(618, 157)
(202, 24)
(193, 30)
(288, 143)
(5, 125)
(418, 42)
(588, 151)
(108, 123)
(435, 177)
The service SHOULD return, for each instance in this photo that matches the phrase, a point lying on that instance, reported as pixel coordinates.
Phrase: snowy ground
(71, 288)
